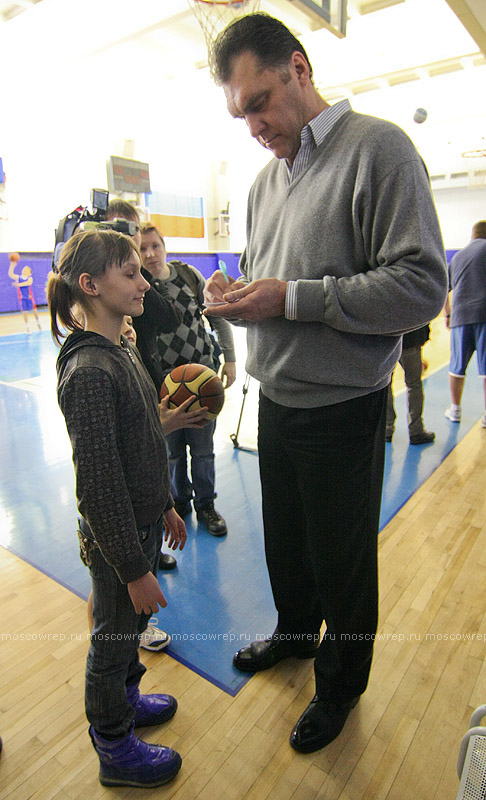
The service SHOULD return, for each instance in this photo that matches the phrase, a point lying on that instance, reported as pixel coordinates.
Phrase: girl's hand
(175, 530)
(146, 594)
(174, 418)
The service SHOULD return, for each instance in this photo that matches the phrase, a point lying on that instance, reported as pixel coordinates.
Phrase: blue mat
(219, 596)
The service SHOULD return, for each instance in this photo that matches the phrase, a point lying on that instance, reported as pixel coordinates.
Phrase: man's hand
(146, 594)
(228, 373)
(175, 530)
(181, 417)
(217, 285)
(256, 301)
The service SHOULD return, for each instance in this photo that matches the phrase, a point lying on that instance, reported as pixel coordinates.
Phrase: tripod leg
(234, 436)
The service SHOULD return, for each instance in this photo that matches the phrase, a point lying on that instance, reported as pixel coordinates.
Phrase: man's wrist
(291, 300)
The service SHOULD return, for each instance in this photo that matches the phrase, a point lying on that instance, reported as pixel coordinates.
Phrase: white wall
(458, 210)
(66, 127)
(66, 107)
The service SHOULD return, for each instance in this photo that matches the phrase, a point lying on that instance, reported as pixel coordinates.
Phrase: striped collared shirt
(313, 134)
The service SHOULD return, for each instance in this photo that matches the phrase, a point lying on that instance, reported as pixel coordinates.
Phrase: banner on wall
(177, 215)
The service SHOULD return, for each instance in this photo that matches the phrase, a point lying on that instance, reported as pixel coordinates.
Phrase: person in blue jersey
(465, 315)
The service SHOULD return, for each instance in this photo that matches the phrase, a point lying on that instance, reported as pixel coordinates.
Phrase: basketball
(194, 380)
(13, 257)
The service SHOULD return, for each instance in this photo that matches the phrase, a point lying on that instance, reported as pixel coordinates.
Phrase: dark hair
(149, 227)
(479, 229)
(122, 209)
(88, 251)
(264, 36)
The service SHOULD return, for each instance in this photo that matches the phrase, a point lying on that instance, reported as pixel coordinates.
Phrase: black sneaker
(167, 561)
(212, 519)
(426, 437)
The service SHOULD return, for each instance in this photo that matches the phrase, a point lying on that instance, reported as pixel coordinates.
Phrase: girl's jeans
(113, 661)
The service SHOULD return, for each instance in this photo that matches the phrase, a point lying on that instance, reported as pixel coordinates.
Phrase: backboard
(333, 12)
(330, 14)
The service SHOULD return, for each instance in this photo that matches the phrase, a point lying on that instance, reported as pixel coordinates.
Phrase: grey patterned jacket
(119, 452)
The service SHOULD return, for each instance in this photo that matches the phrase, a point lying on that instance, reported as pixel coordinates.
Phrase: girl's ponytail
(61, 301)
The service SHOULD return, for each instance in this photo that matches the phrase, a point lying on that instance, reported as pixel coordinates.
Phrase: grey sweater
(358, 230)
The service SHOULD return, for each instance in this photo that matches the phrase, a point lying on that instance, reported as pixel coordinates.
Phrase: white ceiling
(409, 53)
(170, 25)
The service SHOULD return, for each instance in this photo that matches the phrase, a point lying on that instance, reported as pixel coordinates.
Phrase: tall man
(343, 255)
(467, 321)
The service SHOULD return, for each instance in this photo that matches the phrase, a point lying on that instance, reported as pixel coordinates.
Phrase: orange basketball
(194, 380)
(14, 257)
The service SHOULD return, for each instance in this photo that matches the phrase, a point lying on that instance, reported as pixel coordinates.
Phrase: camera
(81, 219)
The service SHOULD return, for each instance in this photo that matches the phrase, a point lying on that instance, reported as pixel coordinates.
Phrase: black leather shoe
(265, 654)
(212, 519)
(426, 437)
(320, 724)
(167, 562)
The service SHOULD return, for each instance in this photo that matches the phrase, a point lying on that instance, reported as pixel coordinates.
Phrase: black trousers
(322, 473)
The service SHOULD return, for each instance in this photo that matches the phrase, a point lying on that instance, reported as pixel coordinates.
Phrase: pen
(223, 269)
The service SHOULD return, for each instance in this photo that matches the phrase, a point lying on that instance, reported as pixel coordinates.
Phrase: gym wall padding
(40, 264)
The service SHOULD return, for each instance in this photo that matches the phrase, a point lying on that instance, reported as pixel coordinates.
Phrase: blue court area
(219, 596)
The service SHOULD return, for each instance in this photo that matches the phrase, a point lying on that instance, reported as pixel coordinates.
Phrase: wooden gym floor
(400, 743)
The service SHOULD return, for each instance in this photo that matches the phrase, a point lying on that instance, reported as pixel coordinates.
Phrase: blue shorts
(465, 339)
(26, 304)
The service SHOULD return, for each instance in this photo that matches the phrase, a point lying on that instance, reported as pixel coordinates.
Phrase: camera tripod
(234, 436)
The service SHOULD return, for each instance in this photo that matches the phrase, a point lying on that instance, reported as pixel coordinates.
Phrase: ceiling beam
(369, 6)
(472, 14)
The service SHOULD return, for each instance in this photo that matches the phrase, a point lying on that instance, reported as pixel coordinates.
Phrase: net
(481, 153)
(214, 15)
(476, 175)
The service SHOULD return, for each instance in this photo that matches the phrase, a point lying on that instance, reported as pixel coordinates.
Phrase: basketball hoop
(214, 15)
(477, 176)
(474, 153)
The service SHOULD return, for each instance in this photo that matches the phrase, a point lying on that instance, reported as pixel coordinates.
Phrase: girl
(153, 638)
(123, 492)
(23, 284)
